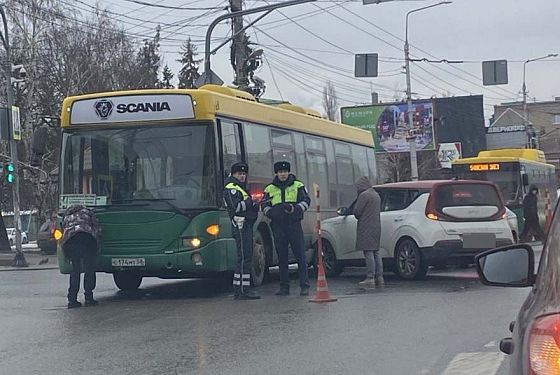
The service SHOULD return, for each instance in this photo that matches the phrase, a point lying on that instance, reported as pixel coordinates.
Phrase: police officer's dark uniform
(531, 215)
(285, 203)
(239, 204)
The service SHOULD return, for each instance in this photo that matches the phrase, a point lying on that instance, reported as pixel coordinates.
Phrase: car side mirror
(342, 211)
(525, 179)
(509, 266)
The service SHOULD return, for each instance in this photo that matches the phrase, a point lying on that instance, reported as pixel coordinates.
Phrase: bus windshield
(174, 165)
(507, 182)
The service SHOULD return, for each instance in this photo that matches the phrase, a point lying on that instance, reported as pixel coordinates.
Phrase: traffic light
(9, 173)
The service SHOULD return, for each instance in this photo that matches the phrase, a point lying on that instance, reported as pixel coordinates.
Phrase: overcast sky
(306, 45)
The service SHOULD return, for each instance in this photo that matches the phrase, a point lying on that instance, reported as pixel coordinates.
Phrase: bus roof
(507, 155)
(211, 101)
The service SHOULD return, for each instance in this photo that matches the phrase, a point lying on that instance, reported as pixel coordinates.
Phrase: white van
(423, 223)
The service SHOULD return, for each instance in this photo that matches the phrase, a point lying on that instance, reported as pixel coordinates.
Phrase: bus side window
(301, 161)
(283, 148)
(259, 157)
(359, 158)
(317, 167)
(372, 166)
(231, 146)
(344, 173)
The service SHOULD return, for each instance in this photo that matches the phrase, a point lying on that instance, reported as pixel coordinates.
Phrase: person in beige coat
(367, 210)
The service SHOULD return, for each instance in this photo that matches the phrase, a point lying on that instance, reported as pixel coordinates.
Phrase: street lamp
(412, 138)
(19, 259)
(528, 125)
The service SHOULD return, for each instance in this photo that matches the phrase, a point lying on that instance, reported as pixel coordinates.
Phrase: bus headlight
(192, 242)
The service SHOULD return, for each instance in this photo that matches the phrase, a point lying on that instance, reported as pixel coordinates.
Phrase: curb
(31, 268)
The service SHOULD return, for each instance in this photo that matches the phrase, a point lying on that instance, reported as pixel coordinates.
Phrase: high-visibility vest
(234, 186)
(290, 193)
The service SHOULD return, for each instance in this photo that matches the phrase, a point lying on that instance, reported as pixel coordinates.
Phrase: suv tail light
(544, 346)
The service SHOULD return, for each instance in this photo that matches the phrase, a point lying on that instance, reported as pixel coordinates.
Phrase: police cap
(239, 167)
(281, 166)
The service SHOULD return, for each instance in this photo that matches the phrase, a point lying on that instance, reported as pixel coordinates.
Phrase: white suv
(423, 223)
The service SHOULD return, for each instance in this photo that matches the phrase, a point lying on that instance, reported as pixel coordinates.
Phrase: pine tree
(148, 63)
(189, 66)
(167, 76)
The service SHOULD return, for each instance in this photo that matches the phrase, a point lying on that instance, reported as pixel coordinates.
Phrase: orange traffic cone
(322, 294)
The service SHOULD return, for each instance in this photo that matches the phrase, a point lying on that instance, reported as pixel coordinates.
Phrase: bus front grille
(136, 246)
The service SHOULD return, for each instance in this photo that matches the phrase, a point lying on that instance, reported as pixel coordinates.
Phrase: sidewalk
(34, 258)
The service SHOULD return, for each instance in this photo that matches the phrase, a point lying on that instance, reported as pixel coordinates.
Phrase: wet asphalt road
(194, 327)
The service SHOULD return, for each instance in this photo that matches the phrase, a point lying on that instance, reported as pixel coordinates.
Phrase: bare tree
(330, 101)
(395, 166)
(64, 53)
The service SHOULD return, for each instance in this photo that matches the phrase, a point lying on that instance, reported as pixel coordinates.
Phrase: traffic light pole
(19, 259)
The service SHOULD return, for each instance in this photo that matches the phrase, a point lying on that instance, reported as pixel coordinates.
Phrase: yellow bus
(152, 163)
(513, 170)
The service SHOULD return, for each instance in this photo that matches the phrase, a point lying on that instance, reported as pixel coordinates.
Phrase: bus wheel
(127, 281)
(259, 259)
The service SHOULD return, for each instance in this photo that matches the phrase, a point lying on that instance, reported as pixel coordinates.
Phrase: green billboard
(388, 124)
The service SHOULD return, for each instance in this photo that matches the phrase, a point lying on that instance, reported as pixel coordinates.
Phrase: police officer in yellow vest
(286, 200)
(243, 214)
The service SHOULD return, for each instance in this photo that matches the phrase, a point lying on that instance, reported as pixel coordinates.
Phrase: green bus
(151, 163)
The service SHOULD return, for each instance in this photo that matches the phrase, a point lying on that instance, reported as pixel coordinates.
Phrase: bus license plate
(128, 262)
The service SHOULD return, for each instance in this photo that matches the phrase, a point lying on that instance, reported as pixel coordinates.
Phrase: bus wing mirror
(525, 179)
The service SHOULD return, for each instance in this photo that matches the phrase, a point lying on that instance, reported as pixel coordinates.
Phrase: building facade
(545, 118)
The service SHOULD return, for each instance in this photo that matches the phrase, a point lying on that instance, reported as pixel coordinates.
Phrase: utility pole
(239, 53)
(412, 136)
(531, 139)
(210, 77)
(19, 259)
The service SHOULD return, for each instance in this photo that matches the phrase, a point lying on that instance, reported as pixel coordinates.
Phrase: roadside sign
(494, 72)
(449, 152)
(365, 65)
(5, 115)
(16, 124)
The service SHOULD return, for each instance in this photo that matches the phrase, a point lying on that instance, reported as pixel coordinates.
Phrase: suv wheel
(332, 266)
(408, 260)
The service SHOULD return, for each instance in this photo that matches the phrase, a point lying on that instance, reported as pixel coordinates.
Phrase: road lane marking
(482, 363)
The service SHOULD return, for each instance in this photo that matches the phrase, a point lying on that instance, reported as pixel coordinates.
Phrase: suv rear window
(469, 201)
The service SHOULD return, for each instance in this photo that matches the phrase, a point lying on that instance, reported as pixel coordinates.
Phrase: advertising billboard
(388, 123)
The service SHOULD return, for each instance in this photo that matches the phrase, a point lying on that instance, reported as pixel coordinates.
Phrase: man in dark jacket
(286, 200)
(367, 210)
(243, 214)
(531, 215)
(79, 244)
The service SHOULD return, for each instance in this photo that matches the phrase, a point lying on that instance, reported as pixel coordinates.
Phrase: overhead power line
(174, 7)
